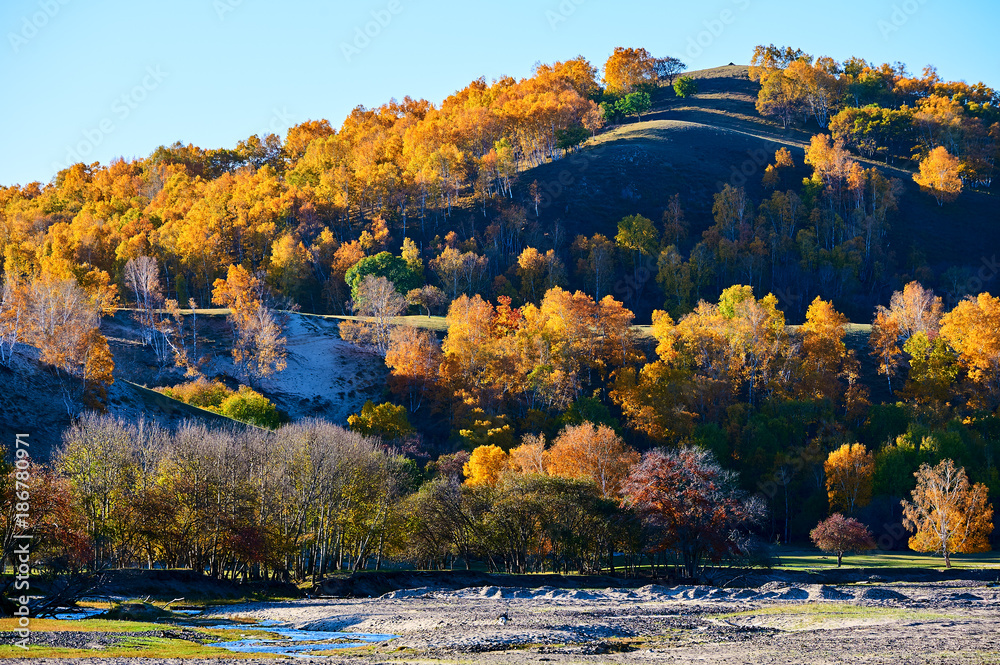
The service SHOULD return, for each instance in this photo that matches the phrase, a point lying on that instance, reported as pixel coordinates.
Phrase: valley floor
(939, 622)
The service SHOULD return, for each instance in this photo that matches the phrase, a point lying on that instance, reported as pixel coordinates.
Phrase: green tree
(394, 268)
(634, 103)
(386, 420)
(685, 86)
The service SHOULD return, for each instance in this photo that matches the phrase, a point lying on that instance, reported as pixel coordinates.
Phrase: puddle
(295, 643)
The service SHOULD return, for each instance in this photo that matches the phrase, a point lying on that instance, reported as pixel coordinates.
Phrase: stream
(295, 642)
(292, 642)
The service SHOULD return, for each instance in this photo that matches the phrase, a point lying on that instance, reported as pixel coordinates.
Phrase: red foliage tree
(691, 504)
(839, 534)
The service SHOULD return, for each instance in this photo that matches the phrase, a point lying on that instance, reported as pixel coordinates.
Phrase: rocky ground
(921, 622)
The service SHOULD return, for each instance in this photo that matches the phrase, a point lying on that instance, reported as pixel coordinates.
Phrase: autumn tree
(592, 451)
(971, 330)
(485, 466)
(778, 96)
(673, 275)
(823, 350)
(539, 272)
(531, 456)
(638, 237)
(772, 174)
(142, 277)
(377, 303)
(13, 318)
(259, 346)
(628, 69)
(914, 309)
(849, 471)
(947, 514)
(940, 175)
(690, 503)
(839, 534)
(595, 259)
(429, 297)
(413, 358)
(667, 68)
(459, 272)
(64, 324)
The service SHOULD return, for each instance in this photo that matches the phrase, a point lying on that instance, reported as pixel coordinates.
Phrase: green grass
(133, 647)
(795, 559)
(87, 625)
(814, 615)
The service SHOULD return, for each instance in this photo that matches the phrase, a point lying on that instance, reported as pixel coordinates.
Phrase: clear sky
(91, 80)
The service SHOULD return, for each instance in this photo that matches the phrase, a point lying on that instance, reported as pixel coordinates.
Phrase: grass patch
(790, 559)
(834, 610)
(133, 647)
(83, 625)
(808, 616)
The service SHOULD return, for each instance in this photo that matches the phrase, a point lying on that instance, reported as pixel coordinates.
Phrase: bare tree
(142, 277)
(12, 319)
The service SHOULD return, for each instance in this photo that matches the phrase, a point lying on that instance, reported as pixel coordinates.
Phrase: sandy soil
(326, 377)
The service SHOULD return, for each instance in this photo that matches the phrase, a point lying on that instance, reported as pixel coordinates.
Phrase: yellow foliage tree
(485, 466)
(627, 69)
(849, 471)
(948, 515)
(971, 329)
(940, 175)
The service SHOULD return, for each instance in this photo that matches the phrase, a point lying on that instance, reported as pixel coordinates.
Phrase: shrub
(685, 86)
(249, 406)
(200, 392)
(386, 420)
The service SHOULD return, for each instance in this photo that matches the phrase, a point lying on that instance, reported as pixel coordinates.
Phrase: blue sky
(91, 80)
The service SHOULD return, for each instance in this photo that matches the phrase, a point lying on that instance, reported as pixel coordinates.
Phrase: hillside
(325, 378)
(695, 146)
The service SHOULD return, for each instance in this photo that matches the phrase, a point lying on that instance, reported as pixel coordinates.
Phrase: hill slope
(697, 145)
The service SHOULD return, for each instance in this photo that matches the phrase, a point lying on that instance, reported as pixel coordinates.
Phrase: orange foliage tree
(947, 514)
(595, 452)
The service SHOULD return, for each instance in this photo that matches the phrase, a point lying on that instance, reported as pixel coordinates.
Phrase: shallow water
(78, 614)
(295, 642)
